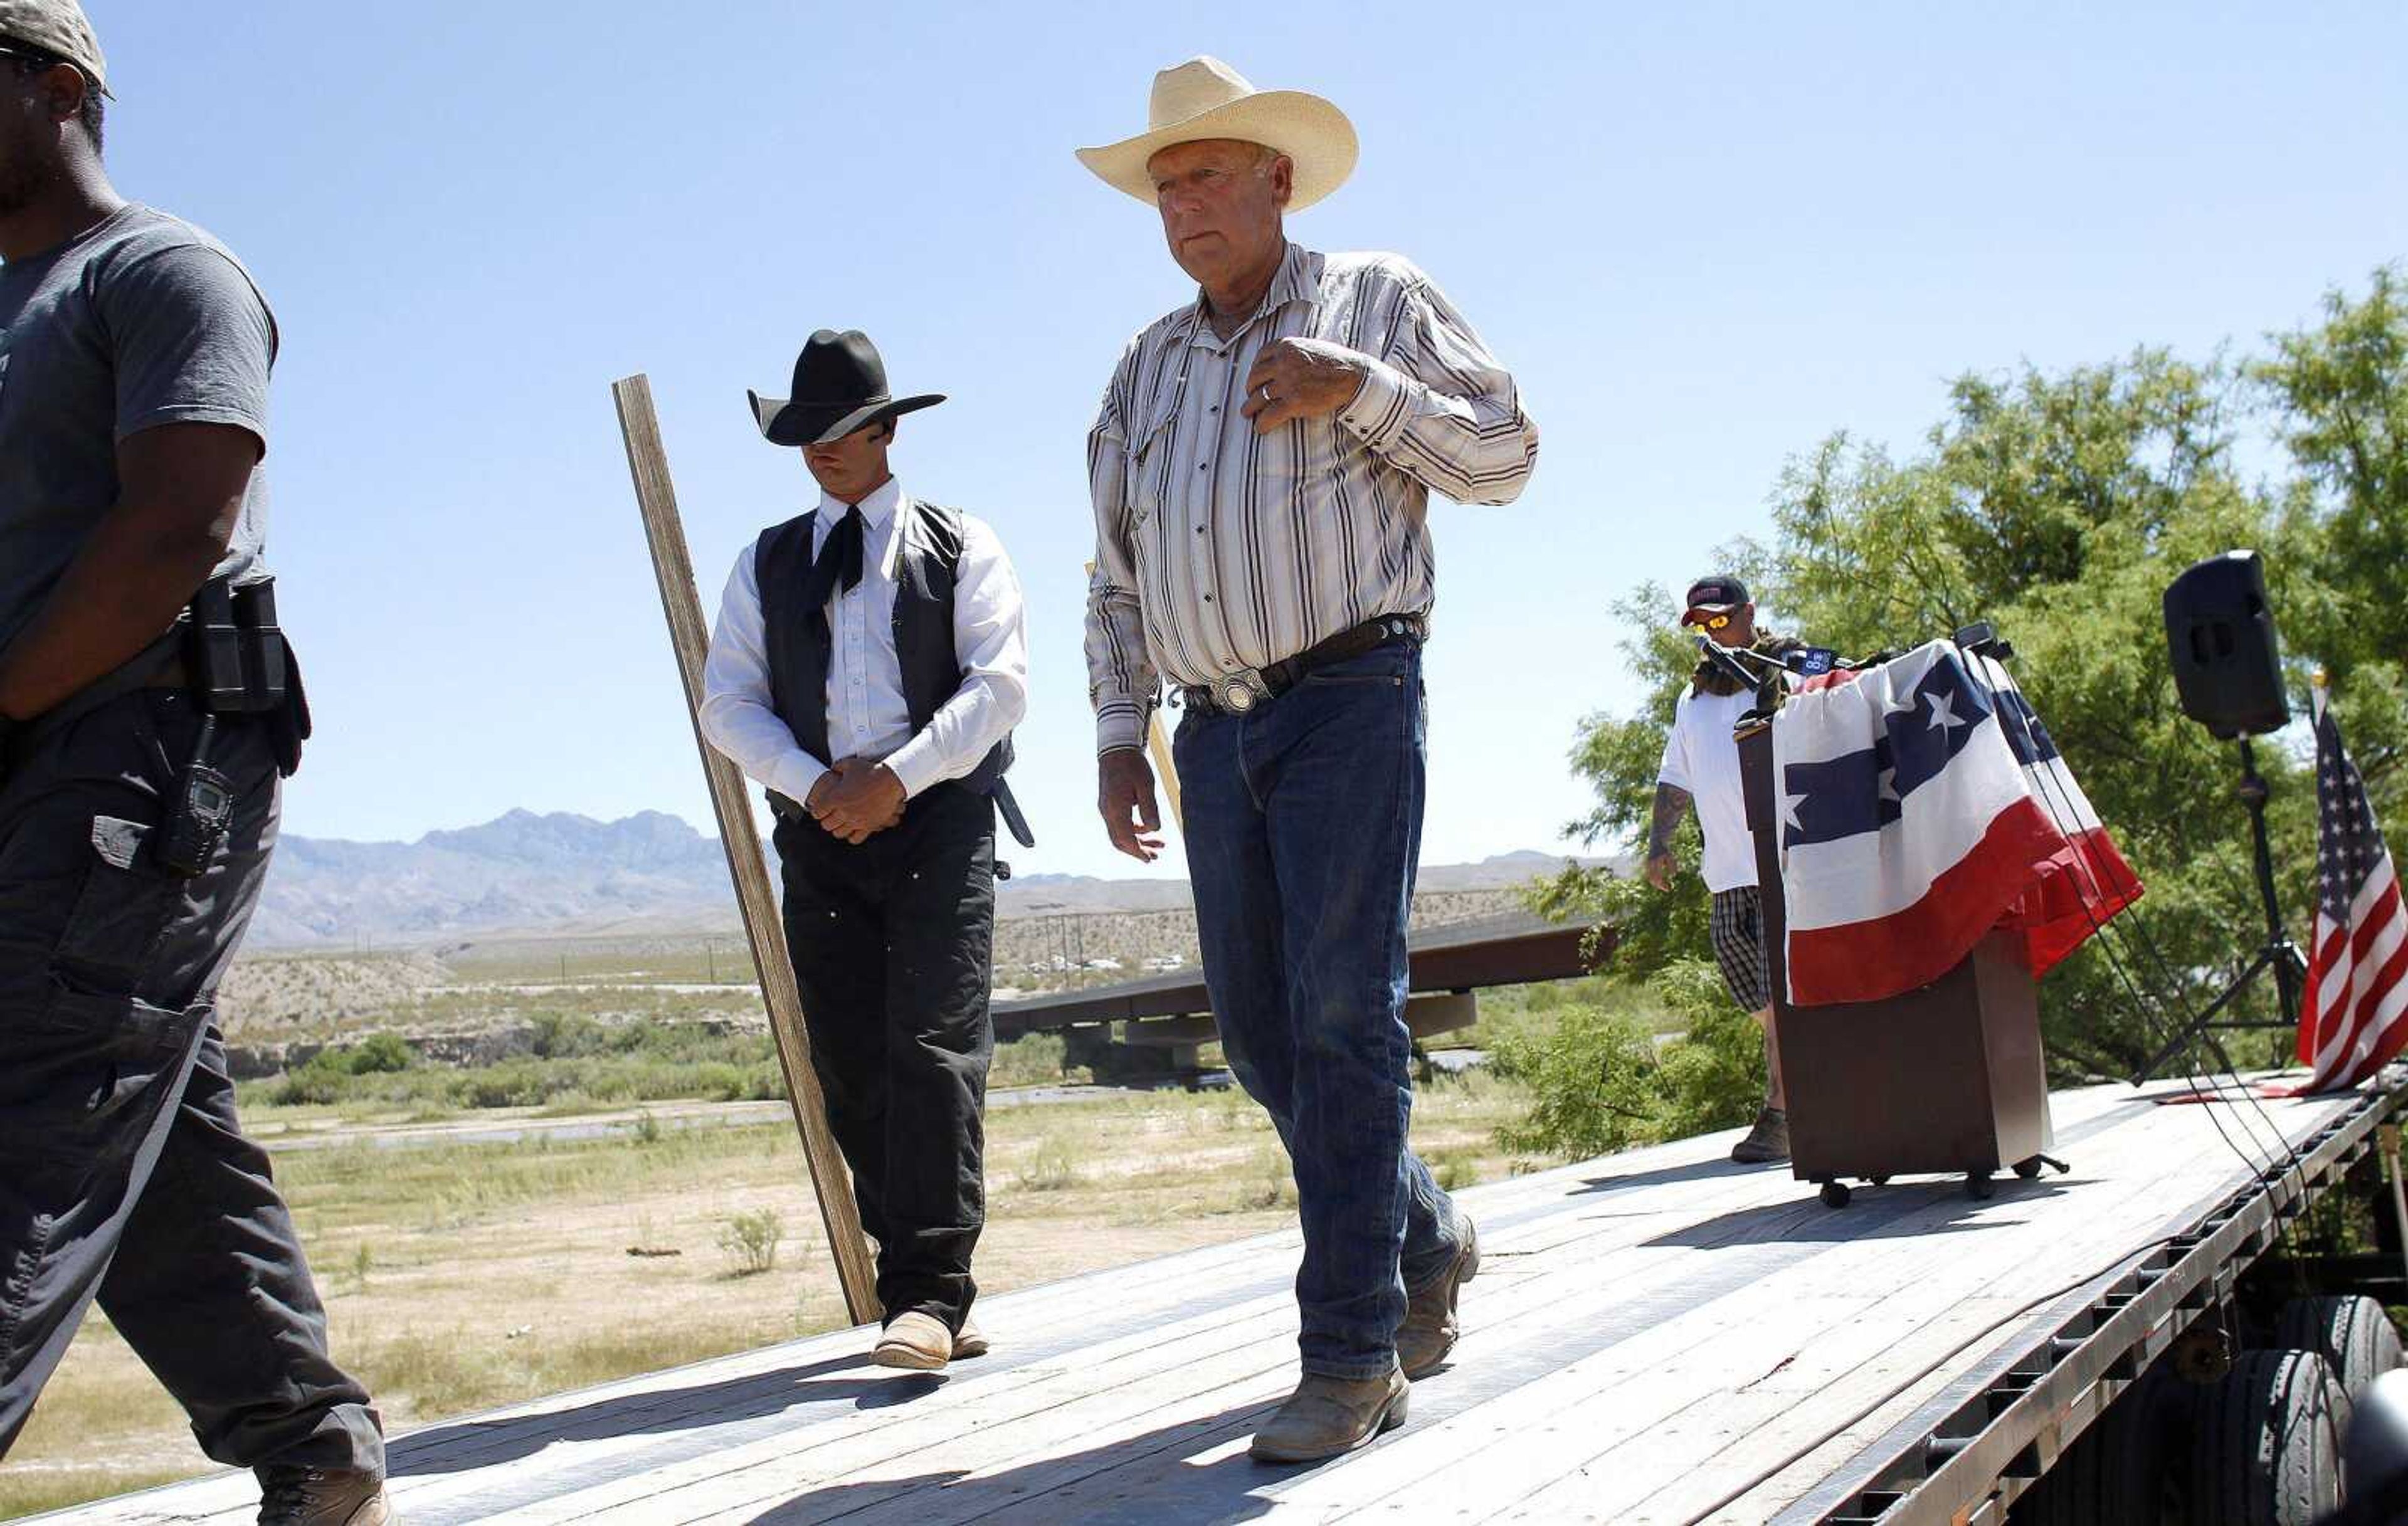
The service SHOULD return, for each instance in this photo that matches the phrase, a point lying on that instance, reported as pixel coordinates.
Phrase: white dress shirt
(867, 714)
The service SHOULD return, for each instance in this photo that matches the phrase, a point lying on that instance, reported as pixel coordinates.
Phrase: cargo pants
(123, 1175)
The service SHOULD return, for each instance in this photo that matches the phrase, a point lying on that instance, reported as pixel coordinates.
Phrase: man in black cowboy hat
(867, 668)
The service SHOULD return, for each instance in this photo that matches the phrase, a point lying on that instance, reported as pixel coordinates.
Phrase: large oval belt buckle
(1234, 693)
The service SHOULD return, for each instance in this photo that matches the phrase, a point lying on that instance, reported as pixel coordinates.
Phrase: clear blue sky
(1703, 235)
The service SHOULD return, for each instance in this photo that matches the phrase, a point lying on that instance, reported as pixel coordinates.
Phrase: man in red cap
(1701, 770)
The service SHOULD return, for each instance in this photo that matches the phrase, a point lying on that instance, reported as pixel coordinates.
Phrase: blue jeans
(1303, 824)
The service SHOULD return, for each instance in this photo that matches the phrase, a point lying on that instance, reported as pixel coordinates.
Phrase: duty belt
(1237, 693)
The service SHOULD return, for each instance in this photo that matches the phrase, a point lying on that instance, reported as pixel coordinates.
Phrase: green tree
(2337, 394)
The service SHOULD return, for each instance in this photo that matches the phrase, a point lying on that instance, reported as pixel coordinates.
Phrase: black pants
(123, 1171)
(893, 941)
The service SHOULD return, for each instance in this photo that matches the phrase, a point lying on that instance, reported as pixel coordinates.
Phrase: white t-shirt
(1700, 757)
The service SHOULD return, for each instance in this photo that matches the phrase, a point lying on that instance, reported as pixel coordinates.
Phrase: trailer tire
(2117, 1473)
(2266, 1448)
(2352, 1333)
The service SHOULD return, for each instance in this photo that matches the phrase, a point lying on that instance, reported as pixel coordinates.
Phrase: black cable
(2199, 1046)
(2108, 945)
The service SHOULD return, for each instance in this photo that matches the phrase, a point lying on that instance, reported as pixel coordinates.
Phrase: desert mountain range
(562, 872)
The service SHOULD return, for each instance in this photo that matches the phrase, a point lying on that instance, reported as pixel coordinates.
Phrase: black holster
(238, 662)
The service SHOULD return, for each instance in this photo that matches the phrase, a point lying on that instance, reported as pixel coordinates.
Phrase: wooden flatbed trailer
(1659, 1336)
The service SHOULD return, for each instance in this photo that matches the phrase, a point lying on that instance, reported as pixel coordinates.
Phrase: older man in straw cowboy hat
(1261, 471)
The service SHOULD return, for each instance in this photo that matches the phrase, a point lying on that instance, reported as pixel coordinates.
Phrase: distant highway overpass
(1155, 1024)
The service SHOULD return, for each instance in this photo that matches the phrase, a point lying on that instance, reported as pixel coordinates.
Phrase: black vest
(926, 564)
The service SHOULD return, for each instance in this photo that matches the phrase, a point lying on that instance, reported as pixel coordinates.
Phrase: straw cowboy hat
(1205, 98)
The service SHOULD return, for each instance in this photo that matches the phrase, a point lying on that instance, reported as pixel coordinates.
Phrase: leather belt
(1237, 693)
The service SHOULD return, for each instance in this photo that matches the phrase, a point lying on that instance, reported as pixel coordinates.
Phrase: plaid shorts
(1736, 928)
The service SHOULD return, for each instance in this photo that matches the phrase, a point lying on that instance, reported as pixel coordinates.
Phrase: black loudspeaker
(2227, 666)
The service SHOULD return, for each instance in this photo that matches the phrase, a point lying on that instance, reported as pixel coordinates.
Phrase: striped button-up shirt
(1219, 550)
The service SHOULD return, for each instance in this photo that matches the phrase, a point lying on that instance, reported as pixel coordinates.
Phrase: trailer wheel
(2117, 1473)
(2028, 1169)
(1979, 1185)
(1835, 1194)
(2352, 1333)
(2266, 1450)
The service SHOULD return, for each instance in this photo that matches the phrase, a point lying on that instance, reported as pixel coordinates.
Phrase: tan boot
(1430, 1327)
(321, 1497)
(1329, 1417)
(917, 1342)
(968, 1341)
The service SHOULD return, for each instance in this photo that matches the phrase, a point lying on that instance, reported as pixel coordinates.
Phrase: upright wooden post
(674, 568)
(1158, 743)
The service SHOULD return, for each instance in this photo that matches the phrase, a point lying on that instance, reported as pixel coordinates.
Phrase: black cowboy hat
(839, 386)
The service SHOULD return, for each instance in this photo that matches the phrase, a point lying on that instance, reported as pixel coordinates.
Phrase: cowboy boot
(1328, 1416)
(914, 1341)
(968, 1341)
(1430, 1327)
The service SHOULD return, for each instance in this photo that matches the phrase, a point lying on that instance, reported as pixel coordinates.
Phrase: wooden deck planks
(1648, 1334)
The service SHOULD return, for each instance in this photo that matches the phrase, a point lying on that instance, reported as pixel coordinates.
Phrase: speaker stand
(2278, 953)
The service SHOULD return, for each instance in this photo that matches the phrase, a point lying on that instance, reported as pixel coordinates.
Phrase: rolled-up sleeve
(1438, 406)
(1122, 683)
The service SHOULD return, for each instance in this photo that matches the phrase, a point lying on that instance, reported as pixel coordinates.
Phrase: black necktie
(839, 563)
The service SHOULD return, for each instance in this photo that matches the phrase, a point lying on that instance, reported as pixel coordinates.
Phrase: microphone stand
(1766, 682)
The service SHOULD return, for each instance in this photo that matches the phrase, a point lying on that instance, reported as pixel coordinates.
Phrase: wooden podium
(1946, 1078)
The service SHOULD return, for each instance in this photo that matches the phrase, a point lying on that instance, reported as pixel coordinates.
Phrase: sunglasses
(30, 55)
(1711, 623)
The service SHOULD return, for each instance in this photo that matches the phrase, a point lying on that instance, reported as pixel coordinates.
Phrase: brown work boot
(321, 1497)
(915, 1341)
(968, 1341)
(1768, 1141)
(1429, 1329)
(1329, 1417)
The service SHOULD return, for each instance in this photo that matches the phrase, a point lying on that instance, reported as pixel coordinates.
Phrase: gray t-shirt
(142, 320)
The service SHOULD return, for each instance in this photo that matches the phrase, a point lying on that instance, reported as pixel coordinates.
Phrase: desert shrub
(1034, 1059)
(1053, 1167)
(379, 1054)
(750, 1240)
(320, 1083)
(1712, 1076)
(1592, 1078)
(1600, 1084)
(577, 1064)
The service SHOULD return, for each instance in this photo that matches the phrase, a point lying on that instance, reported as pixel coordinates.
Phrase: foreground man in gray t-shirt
(134, 362)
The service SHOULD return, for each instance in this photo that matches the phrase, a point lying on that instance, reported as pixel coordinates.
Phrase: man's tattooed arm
(1672, 804)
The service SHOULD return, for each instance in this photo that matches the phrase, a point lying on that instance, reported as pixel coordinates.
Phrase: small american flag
(2356, 1016)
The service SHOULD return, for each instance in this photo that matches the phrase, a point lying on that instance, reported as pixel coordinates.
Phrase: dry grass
(459, 1277)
